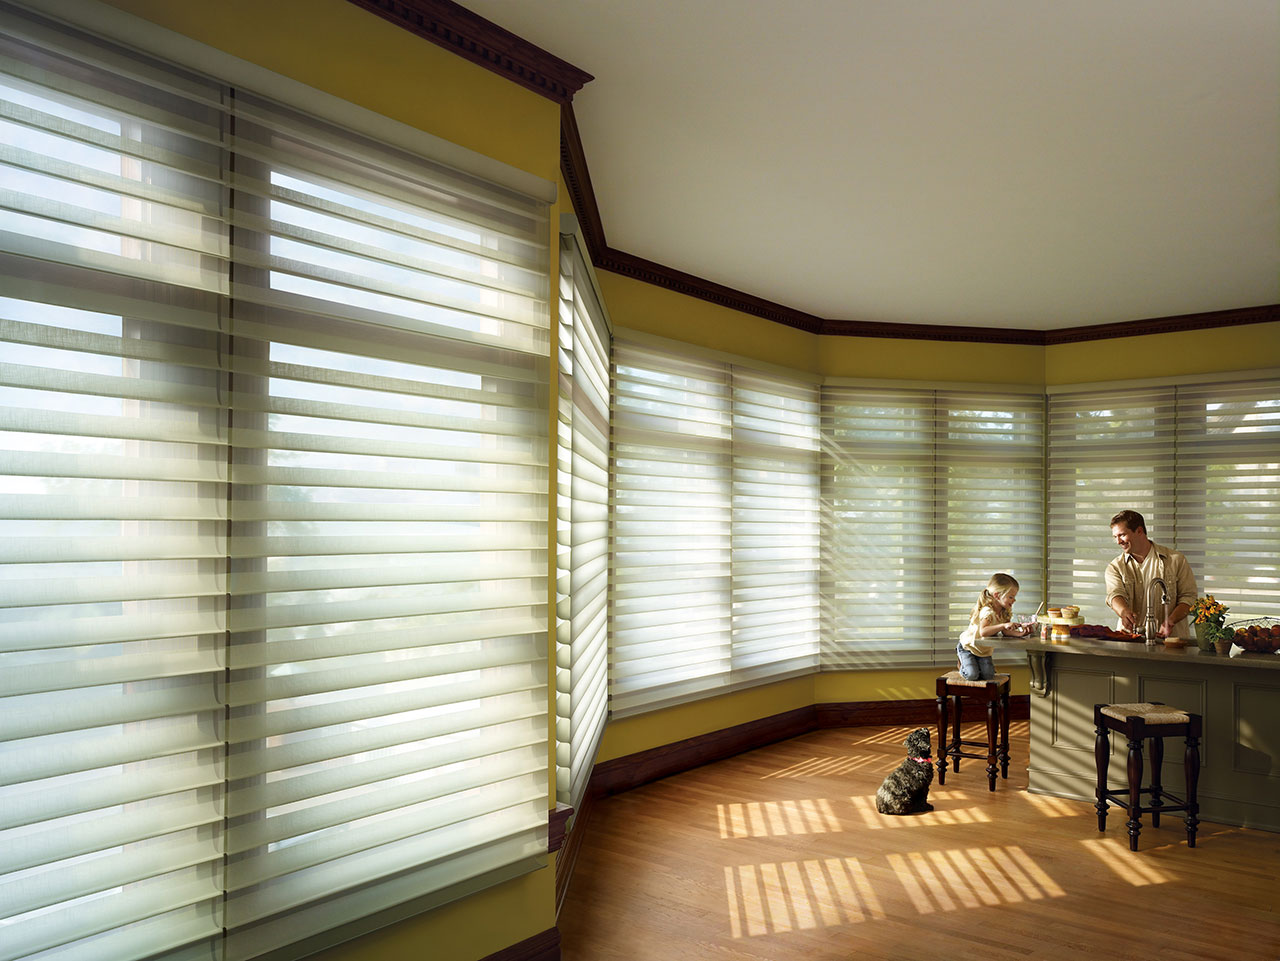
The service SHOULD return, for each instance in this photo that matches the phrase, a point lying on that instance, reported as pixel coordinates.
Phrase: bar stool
(995, 694)
(1155, 721)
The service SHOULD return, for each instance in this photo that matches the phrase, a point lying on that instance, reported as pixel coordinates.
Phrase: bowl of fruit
(1258, 635)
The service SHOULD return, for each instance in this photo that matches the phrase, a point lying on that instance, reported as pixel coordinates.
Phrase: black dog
(906, 789)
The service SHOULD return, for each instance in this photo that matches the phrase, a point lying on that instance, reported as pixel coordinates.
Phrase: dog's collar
(923, 760)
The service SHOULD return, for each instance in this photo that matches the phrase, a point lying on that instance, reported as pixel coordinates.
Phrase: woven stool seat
(1153, 722)
(953, 686)
(1151, 713)
(955, 677)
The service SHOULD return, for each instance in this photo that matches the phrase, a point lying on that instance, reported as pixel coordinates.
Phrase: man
(1129, 576)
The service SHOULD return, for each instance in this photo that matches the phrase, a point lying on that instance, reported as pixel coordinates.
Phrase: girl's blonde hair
(998, 584)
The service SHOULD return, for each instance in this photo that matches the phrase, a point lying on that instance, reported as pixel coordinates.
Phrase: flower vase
(1204, 638)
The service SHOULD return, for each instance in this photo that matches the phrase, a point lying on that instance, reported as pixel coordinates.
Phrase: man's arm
(1184, 591)
(1118, 596)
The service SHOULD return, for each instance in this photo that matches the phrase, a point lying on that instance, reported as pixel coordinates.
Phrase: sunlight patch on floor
(970, 878)
(893, 736)
(823, 766)
(762, 819)
(1129, 866)
(865, 806)
(774, 898)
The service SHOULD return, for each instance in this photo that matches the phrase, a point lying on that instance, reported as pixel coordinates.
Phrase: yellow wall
(1247, 347)
(653, 729)
(338, 48)
(664, 313)
(931, 361)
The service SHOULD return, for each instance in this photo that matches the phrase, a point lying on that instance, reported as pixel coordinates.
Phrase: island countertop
(1138, 649)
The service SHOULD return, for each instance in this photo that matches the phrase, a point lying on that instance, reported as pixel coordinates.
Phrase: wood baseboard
(568, 853)
(543, 946)
(633, 770)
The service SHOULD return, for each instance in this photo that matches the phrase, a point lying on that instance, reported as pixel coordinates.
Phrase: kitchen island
(1238, 697)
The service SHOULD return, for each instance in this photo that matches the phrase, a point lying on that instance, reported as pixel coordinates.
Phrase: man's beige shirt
(1128, 579)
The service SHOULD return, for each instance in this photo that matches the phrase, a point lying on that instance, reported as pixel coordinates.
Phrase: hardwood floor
(779, 854)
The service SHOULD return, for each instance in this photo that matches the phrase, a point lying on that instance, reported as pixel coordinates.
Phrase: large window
(1200, 462)
(715, 527)
(274, 514)
(926, 494)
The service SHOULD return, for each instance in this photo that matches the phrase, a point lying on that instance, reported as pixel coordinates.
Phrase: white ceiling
(997, 163)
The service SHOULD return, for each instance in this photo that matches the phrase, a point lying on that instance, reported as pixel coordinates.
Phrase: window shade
(1228, 494)
(715, 511)
(582, 498)
(926, 494)
(776, 520)
(1199, 462)
(1108, 451)
(672, 510)
(274, 471)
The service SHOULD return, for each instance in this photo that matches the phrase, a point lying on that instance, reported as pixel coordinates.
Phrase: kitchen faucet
(1152, 627)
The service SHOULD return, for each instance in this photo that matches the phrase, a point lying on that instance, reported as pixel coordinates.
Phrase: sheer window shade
(776, 521)
(582, 559)
(926, 494)
(1228, 492)
(1108, 450)
(1199, 462)
(714, 526)
(274, 497)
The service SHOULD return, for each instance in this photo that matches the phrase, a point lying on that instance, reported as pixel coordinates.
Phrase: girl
(990, 616)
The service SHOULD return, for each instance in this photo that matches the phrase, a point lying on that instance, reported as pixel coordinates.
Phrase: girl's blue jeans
(973, 667)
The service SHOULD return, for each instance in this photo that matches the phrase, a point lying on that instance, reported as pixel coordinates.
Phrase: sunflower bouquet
(1211, 613)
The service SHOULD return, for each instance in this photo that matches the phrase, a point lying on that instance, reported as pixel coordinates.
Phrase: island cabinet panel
(1257, 733)
(1239, 699)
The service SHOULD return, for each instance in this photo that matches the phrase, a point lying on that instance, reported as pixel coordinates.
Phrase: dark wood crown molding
(979, 335)
(485, 43)
(1262, 314)
(577, 179)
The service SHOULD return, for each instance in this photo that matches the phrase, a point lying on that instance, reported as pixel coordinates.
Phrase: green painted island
(1238, 697)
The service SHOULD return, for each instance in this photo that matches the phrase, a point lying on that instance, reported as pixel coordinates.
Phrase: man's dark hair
(1131, 520)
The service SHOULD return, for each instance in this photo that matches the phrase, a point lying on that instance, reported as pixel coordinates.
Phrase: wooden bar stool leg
(992, 750)
(1004, 733)
(1102, 760)
(942, 734)
(955, 732)
(1134, 823)
(1191, 762)
(1157, 761)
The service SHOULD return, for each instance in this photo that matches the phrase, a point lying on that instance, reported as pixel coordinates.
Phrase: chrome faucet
(1151, 631)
